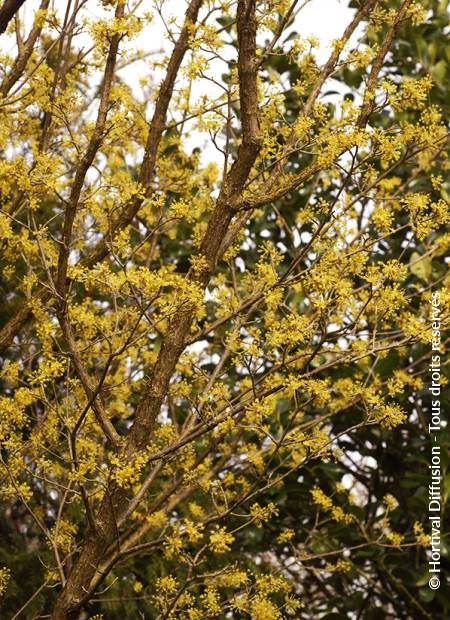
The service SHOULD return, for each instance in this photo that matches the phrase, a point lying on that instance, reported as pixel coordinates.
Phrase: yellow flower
(5, 575)
(390, 502)
(193, 530)
(286, 536)
(423, 539)
(167, 584)
(137, 587)
(262, 514)
(320, 499)
(220, 540)
(395, 538)
(262, 608)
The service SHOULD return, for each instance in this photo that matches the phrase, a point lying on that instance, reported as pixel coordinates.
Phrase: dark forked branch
(7, 12)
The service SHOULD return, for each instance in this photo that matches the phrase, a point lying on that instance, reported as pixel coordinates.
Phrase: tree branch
(7, 12)
(25, 52)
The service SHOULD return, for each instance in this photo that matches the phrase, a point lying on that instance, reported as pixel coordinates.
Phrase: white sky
(325, 19)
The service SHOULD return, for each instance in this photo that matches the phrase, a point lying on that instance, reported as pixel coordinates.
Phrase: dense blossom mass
(218, 257)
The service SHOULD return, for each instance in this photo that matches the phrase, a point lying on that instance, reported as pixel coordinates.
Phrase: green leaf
(426, 594)
(421, 267)
(439, 71)
(423, 579)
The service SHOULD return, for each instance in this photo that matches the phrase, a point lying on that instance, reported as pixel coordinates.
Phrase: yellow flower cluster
(262, 514)
(220, 540)
(326, 504)
(127, 472)
(5, 575)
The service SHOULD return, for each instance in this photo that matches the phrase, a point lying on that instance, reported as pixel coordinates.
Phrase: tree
(214, 385)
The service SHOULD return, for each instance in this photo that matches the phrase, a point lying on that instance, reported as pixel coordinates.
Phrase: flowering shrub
(217, 265)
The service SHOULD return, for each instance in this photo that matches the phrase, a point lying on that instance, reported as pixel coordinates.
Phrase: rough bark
(114, 501)
(23, 312)
(7, 12)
